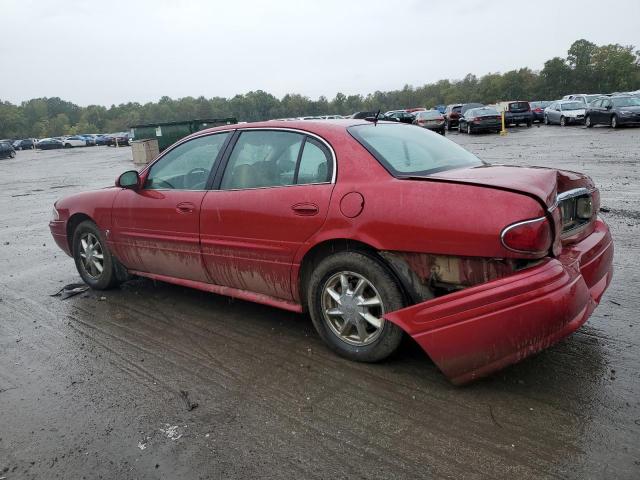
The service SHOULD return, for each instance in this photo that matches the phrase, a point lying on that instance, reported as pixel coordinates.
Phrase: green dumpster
(167, 133)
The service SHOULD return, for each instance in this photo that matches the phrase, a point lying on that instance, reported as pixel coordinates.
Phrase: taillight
(533, 237)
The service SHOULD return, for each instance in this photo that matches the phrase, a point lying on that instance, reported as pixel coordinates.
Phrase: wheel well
(75, 220)
(329, 247)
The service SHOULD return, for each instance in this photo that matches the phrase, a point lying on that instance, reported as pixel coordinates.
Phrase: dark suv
(518, 112)
(452, 115)
(6, 150)
(614, 111)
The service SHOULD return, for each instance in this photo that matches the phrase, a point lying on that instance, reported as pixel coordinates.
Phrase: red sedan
(376, 229)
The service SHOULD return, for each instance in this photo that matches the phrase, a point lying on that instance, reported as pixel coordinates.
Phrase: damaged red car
(376, 229)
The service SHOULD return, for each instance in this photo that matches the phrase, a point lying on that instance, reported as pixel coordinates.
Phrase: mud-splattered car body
(493, 261)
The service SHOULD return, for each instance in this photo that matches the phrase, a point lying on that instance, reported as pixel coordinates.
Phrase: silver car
(564, 112)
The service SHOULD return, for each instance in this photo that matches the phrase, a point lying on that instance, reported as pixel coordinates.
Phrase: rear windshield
(481, 112)
(625, 102)
(457, 109)
(431, 114)
(518, 106)
(406, 150)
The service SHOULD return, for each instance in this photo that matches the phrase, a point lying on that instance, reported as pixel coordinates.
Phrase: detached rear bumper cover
(477, 331)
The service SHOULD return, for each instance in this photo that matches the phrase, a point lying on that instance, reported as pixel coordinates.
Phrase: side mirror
(129, 179)
(608, 107)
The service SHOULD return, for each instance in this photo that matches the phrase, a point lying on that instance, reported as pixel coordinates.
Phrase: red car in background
(376, 229)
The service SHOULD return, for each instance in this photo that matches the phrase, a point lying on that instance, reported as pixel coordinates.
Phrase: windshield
(591, 98)
(572, 106)
(625, 102)
(405, 150)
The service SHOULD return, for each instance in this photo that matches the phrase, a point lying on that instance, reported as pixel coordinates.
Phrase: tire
(614, 121)
(12, 154)
(529, 124)
(469, 129)
(587, 121)
(88, 233)
(443, 132)
(546, 120)
(67, 145)
(563, 122)
(347, 333)
(460, 130)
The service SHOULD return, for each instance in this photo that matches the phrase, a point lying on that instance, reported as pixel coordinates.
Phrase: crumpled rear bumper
(482, 329)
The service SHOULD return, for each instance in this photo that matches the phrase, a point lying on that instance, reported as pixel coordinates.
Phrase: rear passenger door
(271, 194)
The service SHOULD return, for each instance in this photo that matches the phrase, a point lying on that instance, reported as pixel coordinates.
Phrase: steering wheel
(158, 183)
(197, 171)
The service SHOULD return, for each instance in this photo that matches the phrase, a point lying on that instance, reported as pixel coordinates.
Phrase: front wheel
(469, 129)
(587, 121)
(12, 154)
(94, 262)
(563, 122)
(614, 121)
(348, 296)
(546, 120)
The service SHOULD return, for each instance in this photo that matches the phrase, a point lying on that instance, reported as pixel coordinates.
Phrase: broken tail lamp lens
(532, 237)
(584, 208)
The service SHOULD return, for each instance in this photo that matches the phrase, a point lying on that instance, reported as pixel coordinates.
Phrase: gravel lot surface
(91, 386)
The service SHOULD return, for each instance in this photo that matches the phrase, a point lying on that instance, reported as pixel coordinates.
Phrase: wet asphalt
(158, 381)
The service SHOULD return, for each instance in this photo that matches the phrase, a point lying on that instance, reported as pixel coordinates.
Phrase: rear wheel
(614, 121)
(587, 121)
(67, 145)
(94, 262)
(348, 296)
(12, 154)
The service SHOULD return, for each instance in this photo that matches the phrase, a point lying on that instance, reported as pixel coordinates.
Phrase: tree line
(587, 68)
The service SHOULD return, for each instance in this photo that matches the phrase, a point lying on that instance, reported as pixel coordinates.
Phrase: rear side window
(406, 150)
(315, 164)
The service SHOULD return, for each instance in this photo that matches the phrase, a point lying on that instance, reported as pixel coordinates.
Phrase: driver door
(156, 228)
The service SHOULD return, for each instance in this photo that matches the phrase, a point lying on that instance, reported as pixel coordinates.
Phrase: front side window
(406, 150)
(187, 166)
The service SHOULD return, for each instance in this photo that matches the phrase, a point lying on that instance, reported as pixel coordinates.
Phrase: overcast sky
(118, 51)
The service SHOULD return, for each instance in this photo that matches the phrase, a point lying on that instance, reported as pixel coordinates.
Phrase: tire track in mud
(363, 390)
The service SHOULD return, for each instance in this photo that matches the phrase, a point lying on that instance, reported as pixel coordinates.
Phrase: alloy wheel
(352, 308)
(91, 254)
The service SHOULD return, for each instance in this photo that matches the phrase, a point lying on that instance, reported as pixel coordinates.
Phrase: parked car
(451, 116)
(122, 139)
(564, 112)
(89, 139)
(508, 261)
(614, 111)
(537, 109)
(482, 119)
(7, 150)
(415, 109)
(101, 139)
(587, 99)
(363, 115)
(74, 141)
(517, 112)
(399, 116)
(583, 97)
(49, 144)
(430, 119)
(24, 144)
(469, 106)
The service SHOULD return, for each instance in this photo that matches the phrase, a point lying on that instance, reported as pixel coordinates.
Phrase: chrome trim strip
(576, 192)
(517, 224)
